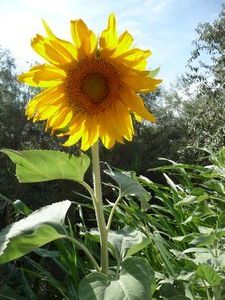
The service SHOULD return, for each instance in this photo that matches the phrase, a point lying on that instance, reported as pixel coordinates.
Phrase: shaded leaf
(129, 185)
(21, 207)
(8, 293)
(123, 243)
(174, 291)
(126, 242)
(133, 283)
(138, 247)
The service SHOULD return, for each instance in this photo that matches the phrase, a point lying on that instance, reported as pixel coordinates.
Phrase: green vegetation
(176, 226)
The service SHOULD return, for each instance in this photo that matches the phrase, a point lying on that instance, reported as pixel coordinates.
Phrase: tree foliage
(205, 114)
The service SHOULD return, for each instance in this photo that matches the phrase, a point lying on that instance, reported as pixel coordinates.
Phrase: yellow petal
(140, 65)
(57, 45)
(47, 112)
(135, 55)
(138, 118)
(135, 59)
(136, 105)
(91, 133)
(73, 139)
(78, 129)
(43, 76)
(76, 122)
(106, 133)
(65, 44)
(84, 38)
(110, 126)
(50, 50)
(124, 120)
(108, 141)
(62, 119)
(109, 37)
(48, 96)
(140, 83)
(124, 43)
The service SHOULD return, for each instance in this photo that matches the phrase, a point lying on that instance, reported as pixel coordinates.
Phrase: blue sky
(167, 27)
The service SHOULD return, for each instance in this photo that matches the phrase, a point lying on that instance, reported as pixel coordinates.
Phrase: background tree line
(190, 116)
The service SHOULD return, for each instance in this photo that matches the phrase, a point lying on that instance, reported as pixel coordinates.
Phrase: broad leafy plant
(185, 227)
(122, 275)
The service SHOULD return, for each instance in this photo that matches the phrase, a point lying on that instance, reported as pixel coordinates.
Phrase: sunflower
(91, 85)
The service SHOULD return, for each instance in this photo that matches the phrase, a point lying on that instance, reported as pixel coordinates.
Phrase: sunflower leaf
(129, 185)
(39, 228)
(134, 282)
(123, 243)
(45, 165)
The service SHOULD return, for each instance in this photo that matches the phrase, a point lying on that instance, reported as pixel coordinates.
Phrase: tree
(205, 114)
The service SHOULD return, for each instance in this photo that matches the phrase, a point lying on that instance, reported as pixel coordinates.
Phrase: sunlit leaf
(203, 239)
(209, 274)
(34, 231)
(45, 165)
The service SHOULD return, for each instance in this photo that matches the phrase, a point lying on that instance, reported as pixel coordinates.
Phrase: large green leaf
(129, 185)
(133, 283)
(45, 165)
(207, 273)
(36, 230)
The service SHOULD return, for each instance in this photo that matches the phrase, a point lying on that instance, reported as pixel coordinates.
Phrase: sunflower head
(91, 84)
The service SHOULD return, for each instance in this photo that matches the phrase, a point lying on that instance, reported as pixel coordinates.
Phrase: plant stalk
(112, 212)
(99, 208)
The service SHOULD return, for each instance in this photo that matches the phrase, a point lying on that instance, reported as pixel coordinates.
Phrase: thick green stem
(99, 209)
